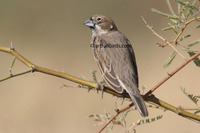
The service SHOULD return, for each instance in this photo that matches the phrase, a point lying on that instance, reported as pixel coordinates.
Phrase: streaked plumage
(117, 65)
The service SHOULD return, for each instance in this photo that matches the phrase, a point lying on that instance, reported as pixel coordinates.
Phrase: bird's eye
(98, 19)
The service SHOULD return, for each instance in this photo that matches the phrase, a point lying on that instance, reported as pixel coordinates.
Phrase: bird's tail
(139, 104)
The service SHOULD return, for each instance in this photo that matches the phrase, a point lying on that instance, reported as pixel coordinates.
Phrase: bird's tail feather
(139, 104)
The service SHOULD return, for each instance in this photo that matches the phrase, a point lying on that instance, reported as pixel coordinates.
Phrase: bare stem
(15, 75)
(162, 38)
(172, 73)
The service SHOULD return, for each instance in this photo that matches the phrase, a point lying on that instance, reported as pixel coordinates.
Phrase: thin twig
(171, 74)
(159, 36)
(15, 75)
(115, 115)
(180, 33)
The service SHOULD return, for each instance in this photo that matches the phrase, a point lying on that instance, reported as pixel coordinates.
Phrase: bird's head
(100, 24)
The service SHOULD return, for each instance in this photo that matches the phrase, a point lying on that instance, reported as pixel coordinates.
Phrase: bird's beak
(89, 23)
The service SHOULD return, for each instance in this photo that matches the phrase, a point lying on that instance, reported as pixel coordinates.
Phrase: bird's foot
(100, 86)
(123, 96)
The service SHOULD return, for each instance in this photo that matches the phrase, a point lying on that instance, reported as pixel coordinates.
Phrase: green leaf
(190, 96)
(125, 113)
(174, 27)
(83, 77)
(93, 74)
(170, 8)
(170, 59)
(187, 4)
(171, 27)
(196, 112)
(179, 8)
(193, 98)
(189, 12)
(150, 120)
(13, 62)
(198, 26)
(182, 13)
(167, 28)
(183, 90)
(184, 37)
(193, 43)
(196, 60)
(198, 96)
(164, 14)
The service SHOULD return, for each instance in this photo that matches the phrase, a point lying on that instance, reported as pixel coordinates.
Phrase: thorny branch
(162, 38)
(180, 33)
(35, 68)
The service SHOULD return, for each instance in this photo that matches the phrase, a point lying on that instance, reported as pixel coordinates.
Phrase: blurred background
(50, 33)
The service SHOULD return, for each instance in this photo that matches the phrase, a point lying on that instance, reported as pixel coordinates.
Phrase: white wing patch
(121, 83)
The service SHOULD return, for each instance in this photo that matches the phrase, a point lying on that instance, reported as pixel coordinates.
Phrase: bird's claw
(100, 86)
(123, 96)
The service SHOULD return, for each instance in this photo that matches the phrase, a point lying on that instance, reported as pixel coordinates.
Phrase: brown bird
(115, 58)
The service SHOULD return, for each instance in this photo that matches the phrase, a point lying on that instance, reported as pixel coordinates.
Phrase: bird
(115, 59)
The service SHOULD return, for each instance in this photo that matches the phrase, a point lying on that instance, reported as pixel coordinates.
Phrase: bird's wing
(106, 69)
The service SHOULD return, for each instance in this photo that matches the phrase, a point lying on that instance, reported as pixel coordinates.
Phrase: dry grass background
(50, 33)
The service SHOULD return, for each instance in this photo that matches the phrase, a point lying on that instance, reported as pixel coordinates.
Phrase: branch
(178, 111)
(159, 102)
(180, 33)
(36, 68)
(15, 75)
(172, 73)
(115, 115)
(162, 38)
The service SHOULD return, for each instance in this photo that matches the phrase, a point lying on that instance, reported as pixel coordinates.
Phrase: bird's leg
(123, 96)
(100, 86)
